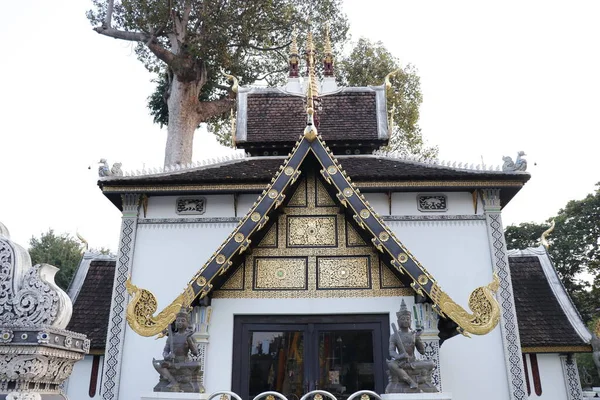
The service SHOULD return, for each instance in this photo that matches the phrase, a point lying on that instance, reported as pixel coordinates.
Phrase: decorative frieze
(191, 205)
(432, 202)
(571, 375)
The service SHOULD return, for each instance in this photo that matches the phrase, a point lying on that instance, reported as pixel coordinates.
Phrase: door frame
(379, 323)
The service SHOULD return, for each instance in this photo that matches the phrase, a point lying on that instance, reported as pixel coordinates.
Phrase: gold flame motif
(548, 231)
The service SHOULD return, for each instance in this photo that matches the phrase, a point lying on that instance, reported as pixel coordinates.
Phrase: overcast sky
(497, 77)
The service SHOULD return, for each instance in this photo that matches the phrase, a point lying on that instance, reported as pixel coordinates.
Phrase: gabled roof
(365, 217)
(548, 320)
(91, 292)
(369, 173)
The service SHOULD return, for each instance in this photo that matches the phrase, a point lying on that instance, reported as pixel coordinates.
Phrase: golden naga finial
(328, 59)
(310, 65)
(235, 86)
(388, 84)
(85, 243)
(548, 231)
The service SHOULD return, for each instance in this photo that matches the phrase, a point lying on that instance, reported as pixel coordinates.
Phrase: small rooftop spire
(328, 59)
(310, 132)
(293, 58)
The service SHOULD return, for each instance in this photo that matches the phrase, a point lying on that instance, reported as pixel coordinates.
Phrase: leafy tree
(62, 251)
(574, 249)
(194, 42)
(368, 64)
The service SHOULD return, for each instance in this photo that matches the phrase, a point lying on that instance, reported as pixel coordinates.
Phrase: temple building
(299, 258)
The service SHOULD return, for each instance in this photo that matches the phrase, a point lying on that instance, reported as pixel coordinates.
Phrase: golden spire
(328, 49)
(328, 59)
(310, 65)
(310, 132)
(294, 48)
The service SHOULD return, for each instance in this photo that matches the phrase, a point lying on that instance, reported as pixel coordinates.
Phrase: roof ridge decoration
(486, 311)
(168, 169)
(434, 162)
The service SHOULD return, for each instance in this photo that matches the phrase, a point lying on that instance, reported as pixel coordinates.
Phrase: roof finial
(293, 57)
(328, 59)
(548, 231)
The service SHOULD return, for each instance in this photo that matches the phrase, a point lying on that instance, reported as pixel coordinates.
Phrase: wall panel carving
(312, 231)
(343, 273)
(280, 273)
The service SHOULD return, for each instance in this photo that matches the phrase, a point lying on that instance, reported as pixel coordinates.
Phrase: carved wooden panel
(235, 281)
(312, 231)
(343, 273)
(277, 273)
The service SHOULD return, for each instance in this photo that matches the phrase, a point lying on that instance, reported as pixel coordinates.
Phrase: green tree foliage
(62, 251)
(192, 43)
(367, 64)
(574, 249)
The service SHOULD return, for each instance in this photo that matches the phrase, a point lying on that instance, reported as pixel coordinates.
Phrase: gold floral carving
(221, 259)
(255, 217)
(270, 239)
(309, 231)
(298, 199)
(236, 280)
(143, 305)
(280, 273)
(332, 170)
(486, 311)
(364, 213)
(353, 239)
(348, 192)
(288, 171)
(273, 193)
(323, 198)
(239, 237)
(343, 272)
(402, 257)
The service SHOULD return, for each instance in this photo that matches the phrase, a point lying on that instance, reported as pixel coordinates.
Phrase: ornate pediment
(231, 253)
(311, 249)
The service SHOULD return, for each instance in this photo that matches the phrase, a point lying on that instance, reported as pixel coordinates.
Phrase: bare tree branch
(160, 52)
(109, 12)
(209, 109)
(124, 35)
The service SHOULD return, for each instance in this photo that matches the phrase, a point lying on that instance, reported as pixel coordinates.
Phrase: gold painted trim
(557, 349)
(183, 188)
(437, 184)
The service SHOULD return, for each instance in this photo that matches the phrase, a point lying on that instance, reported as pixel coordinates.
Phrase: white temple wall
(551, 378)
(459, 203)
(457, 254)
(78, 385)
(166, 256)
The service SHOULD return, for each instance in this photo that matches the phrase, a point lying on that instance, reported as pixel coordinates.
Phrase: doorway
(296, 354)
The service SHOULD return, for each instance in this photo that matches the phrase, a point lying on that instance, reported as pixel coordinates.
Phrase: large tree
(368, 64)
(574, 247)
(62, 251)
(195, 42)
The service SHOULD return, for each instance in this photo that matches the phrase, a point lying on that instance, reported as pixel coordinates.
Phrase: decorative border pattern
(433, 217)
(508, 316)
(205, 220)
(557, 349)
(571, 375)
(432, 352)
(116, 323)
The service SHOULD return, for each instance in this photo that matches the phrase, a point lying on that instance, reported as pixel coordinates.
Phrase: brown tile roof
(348, 118)
(92, 305)
(542, 320)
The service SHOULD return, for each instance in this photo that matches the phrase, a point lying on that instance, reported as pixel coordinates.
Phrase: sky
(497, 77)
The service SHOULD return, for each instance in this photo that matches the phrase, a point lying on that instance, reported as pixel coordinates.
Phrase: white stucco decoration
(30, 296)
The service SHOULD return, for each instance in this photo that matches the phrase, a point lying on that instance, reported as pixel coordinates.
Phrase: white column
(201, 323)
(508, 314)
(116, 322)
(571, 375)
